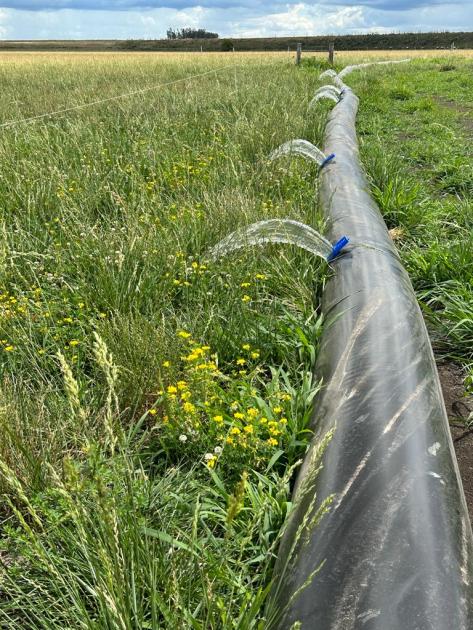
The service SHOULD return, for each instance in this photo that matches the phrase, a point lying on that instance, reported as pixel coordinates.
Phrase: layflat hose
(394, 551)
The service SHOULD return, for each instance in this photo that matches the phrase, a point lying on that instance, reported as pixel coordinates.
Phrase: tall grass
(112, 544)
(416, 145)
(154, 404)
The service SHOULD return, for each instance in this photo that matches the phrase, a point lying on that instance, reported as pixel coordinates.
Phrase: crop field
(155, 402)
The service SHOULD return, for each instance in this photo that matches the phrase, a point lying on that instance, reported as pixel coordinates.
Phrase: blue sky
(57, 19)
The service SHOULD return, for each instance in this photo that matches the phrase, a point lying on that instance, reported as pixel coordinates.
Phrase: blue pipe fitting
(337, 248)
(328, 159)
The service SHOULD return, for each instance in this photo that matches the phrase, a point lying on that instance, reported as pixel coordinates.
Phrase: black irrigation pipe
(394, 552)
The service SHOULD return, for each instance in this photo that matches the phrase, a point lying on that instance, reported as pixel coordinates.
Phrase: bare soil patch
(465, 113)
(459, 406)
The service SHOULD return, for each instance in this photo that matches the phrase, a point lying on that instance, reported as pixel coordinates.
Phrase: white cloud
(301, 19)
(348, 18)
(3, 20)
(257, 18)
(194, 17)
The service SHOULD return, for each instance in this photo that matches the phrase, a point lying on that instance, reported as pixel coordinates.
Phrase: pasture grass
(155, 403)
(415, 127)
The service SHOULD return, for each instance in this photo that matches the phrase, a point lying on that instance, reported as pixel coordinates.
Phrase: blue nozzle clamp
(328, 159)
(337, 248)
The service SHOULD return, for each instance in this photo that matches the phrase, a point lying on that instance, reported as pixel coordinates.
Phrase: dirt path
(459, 407)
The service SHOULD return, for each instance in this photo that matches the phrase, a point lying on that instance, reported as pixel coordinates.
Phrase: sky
(135, 19)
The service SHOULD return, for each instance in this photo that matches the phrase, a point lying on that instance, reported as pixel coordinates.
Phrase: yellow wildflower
(202, 366)
(152, 412)
(73, 343)
(248, 428)
(238, 415)
(181, 385)
(244, 285)
(272, 442)
(246, 346)
(9, 348)
(235, 431)
(246, 298)
(252, 412)
(255, 355)
(166, 364)
(218, 419)
(210, 459)
(183, 334)
(188, 407)
(277, 409)
(241, 361)
(171, 389)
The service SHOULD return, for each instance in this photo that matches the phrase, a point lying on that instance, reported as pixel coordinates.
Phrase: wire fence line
(58, 112)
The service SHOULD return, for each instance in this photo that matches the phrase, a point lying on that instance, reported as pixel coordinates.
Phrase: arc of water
(274, 231)
(326, 91)
(329, 87)
(300, 147)
(328, 73)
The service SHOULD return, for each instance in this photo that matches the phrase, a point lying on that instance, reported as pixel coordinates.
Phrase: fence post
(331, 48)
(298, 54)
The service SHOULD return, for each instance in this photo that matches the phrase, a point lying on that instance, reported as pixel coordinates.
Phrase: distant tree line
(190, 33)
(370, 41)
